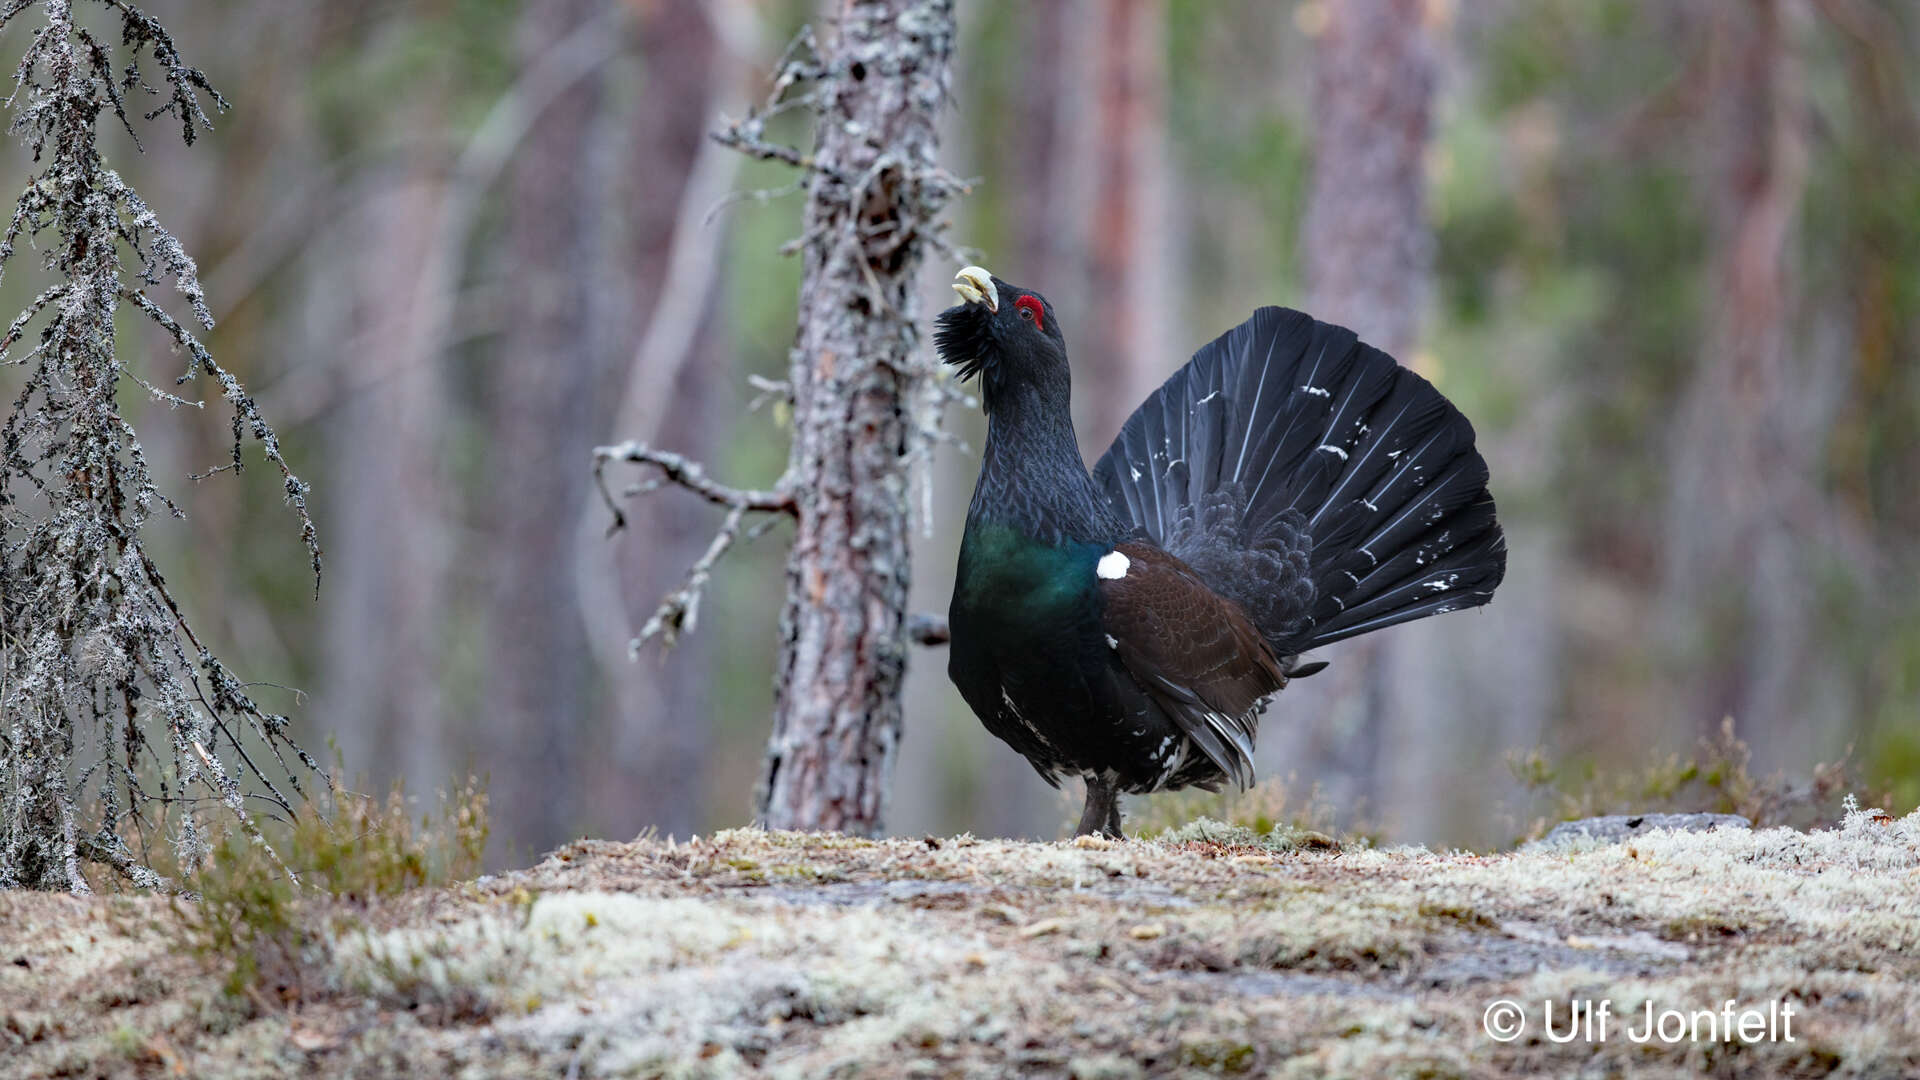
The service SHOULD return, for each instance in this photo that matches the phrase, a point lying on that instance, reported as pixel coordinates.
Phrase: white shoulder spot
(1112, 566)
(1112, 642)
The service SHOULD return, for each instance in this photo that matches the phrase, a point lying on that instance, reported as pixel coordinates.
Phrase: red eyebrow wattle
(1031, 305)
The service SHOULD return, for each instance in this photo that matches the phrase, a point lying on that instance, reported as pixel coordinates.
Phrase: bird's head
(1004, 334)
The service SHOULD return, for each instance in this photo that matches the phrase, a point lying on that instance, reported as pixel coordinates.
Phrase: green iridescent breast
(1008, 577)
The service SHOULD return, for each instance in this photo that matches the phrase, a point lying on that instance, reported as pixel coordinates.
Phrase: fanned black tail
(1308, 477)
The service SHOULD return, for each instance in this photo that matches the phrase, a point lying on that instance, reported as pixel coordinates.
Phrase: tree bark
(1122, 158)
(542, 423)
(855, 373)
(1745, 489)
(1368, 246)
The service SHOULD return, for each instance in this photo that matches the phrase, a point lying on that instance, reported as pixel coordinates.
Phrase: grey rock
(1613, 828)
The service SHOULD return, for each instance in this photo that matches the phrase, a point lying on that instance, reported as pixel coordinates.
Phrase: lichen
(115, 718)
(1200, 955)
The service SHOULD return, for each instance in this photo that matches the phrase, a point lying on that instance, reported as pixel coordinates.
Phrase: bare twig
(680, 609)
(762, 196)
(768, 390)
(688, 474)
(743, 135)
(669, 343)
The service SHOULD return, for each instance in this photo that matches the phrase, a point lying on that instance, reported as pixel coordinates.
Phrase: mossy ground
(794, 955)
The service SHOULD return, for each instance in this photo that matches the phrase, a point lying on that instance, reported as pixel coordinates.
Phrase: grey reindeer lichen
(119, 728)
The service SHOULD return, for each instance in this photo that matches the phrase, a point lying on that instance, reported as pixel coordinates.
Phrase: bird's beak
(975, 286)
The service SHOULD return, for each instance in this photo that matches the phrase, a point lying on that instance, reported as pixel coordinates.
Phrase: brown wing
(1195, 651)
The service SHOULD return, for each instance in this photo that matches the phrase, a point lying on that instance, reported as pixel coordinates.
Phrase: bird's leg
(1102, 815)
(1113, 818)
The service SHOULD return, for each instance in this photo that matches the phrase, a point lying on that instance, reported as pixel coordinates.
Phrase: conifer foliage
(120, 731)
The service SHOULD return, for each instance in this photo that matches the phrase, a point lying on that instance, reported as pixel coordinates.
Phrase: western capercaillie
(1289, 487)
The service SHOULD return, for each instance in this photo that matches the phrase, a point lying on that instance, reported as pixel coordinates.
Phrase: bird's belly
(1029, 655)
(1063, 702)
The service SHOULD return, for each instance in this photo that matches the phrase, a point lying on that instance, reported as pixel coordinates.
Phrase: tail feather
(1319, 484)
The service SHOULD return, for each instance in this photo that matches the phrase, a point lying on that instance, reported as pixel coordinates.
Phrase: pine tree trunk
(1368, 247)
(855, 372)
(1121, 167)
(1367, 241)
(543, 417)
(1747, 438)
(382, 693)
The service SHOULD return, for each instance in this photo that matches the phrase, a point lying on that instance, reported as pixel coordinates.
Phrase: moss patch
(1215, 953)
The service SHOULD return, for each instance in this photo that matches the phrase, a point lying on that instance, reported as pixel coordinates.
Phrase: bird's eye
(1029, 308)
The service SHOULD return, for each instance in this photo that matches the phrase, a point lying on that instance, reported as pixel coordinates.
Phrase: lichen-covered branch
(680, 609)
(686, 473)
(116, 721)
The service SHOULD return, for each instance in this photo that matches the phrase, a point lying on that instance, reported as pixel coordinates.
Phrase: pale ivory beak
(975, 286)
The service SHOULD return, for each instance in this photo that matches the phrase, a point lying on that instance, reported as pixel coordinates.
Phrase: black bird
(1289, 487)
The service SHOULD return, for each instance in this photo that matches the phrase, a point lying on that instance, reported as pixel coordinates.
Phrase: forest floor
(1212, 951)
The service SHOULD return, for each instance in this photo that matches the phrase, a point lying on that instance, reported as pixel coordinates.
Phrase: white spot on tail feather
(1329, 447)
(1318, 391)
(1112, 566)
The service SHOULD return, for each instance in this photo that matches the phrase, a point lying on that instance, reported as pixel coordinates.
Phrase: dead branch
(679, 610)
(103, 683)
(925, 628)
(768, 390)
(689, 474)
(743, 135)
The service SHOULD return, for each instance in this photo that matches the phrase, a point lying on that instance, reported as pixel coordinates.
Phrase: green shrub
(266, 899)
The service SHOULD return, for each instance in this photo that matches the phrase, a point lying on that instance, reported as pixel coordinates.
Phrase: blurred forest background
(1670, 266)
